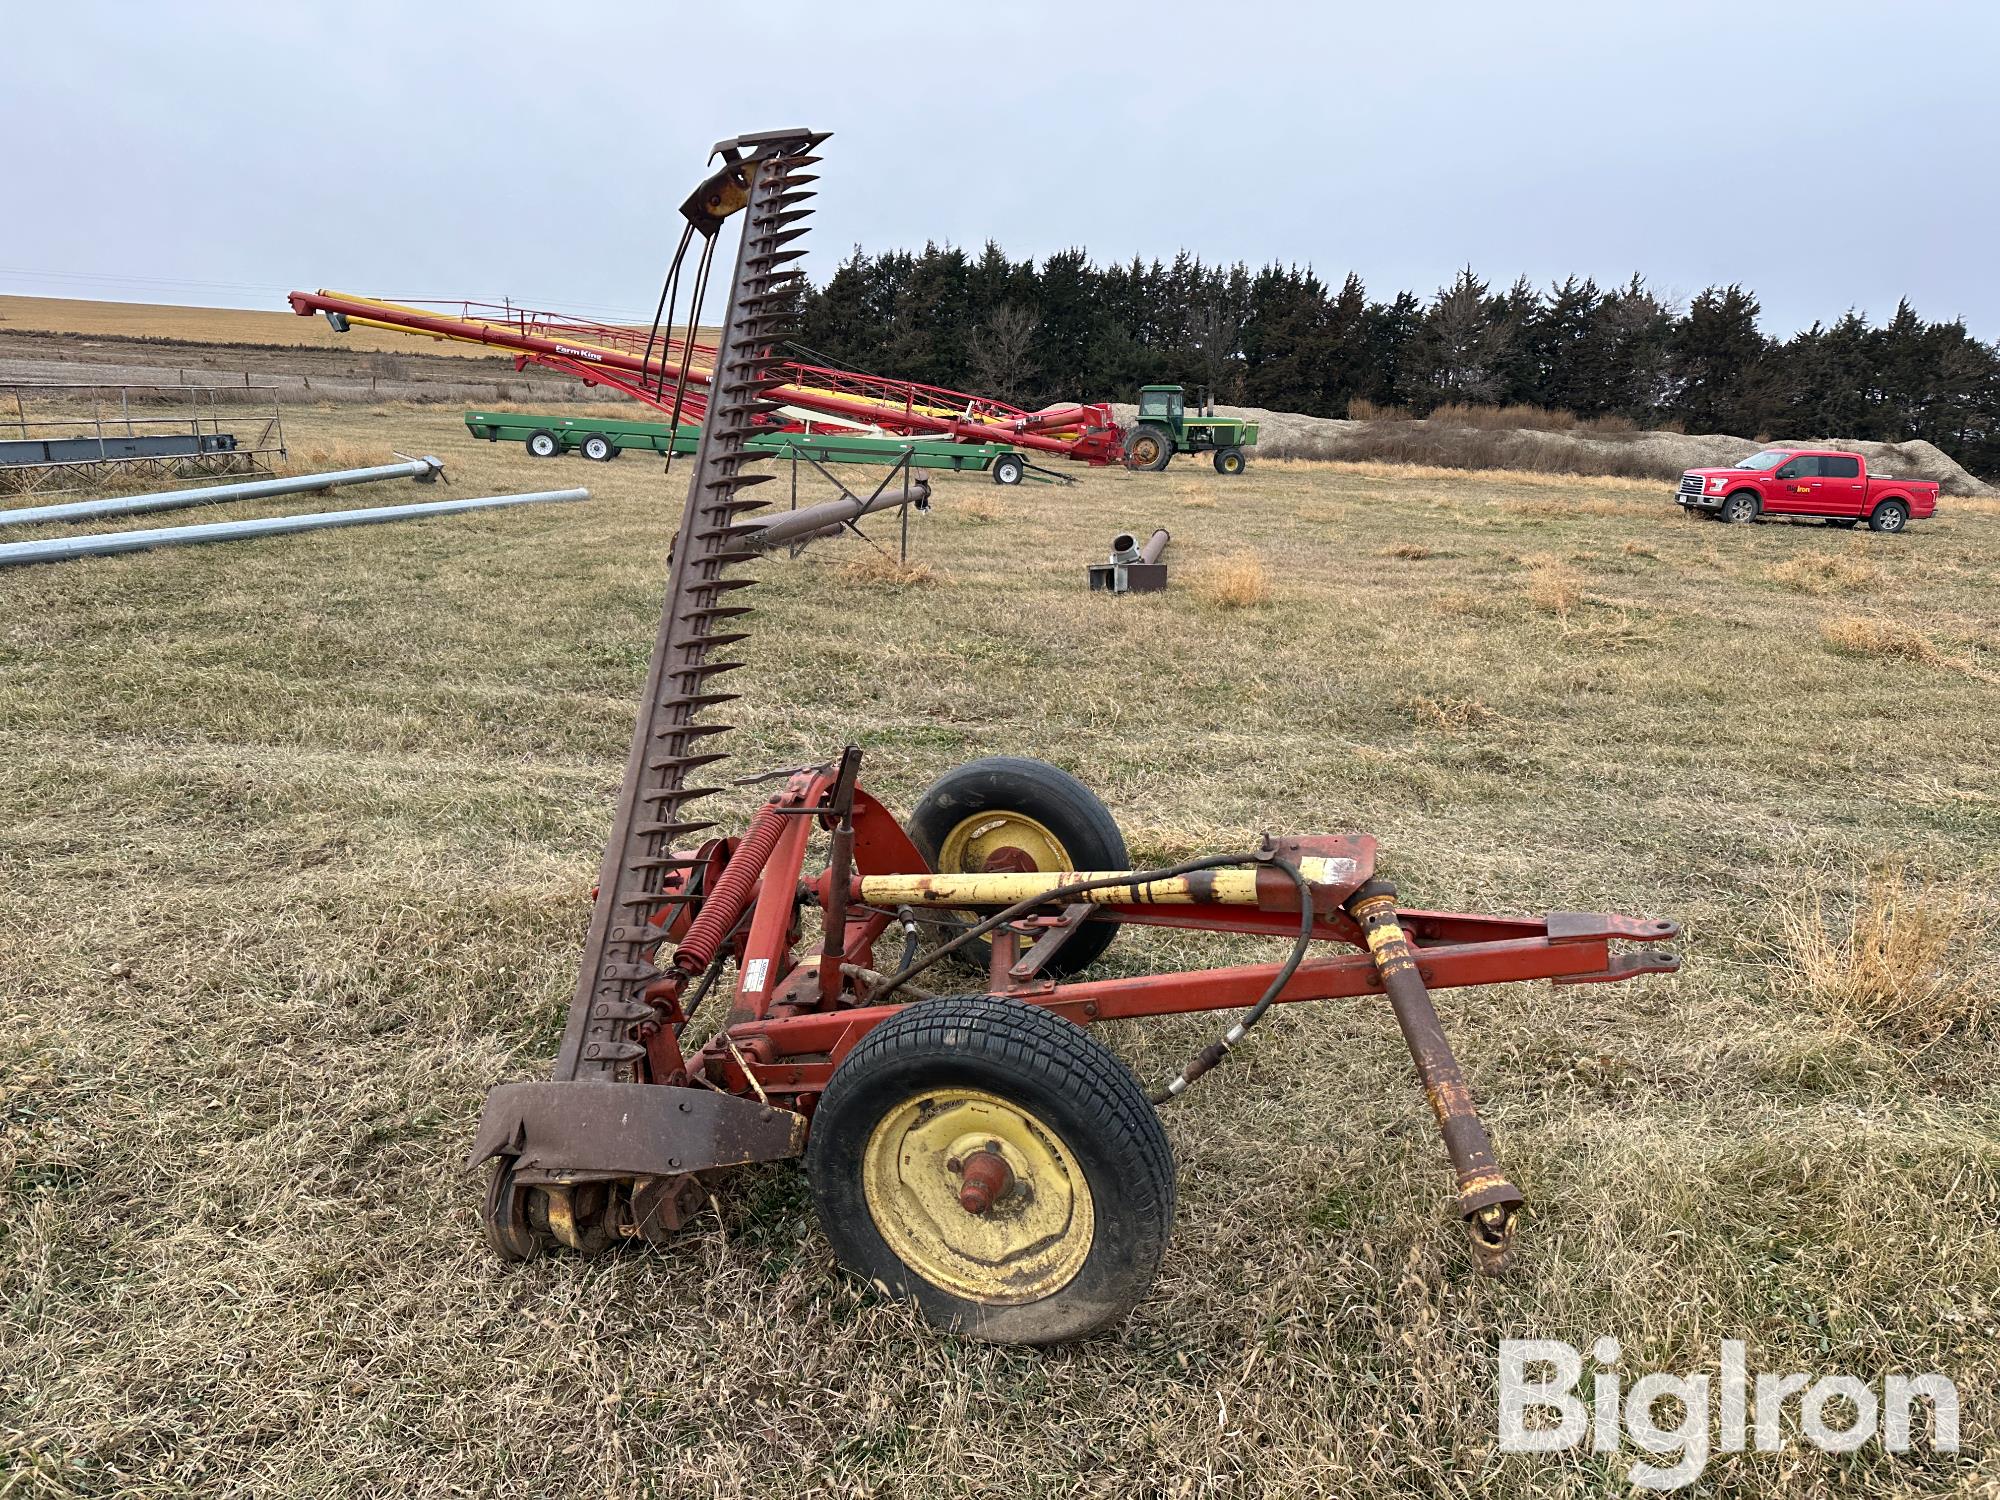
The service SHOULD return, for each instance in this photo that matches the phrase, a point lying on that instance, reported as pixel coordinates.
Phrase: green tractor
(1166, 427)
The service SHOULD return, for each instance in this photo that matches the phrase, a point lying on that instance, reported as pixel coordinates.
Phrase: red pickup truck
(1833, 486)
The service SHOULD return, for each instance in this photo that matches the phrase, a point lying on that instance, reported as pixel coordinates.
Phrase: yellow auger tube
(1225, 887)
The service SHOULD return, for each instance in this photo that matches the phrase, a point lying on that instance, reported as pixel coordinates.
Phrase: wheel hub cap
(978, 1196)
(1001, 841)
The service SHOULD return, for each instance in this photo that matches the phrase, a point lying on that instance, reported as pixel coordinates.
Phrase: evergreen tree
(1279, 336)
(1714, 358)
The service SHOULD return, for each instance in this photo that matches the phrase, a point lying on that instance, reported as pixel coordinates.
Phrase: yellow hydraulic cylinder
(1224, 887)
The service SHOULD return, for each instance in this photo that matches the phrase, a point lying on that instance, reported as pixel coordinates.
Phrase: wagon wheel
(1007, 813)
(998, 1166)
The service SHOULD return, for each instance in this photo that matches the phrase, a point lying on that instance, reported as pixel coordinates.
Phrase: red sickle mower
(981, 1154)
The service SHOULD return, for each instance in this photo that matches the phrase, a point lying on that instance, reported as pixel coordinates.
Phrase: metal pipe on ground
(64, 549)
(1132, 569)
(1125, 547)
(810, 522)
(254, 489)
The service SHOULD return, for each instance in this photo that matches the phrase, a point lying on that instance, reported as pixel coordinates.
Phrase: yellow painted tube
(1226, 887)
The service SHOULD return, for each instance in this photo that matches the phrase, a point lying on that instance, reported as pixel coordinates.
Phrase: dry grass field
(297, 838)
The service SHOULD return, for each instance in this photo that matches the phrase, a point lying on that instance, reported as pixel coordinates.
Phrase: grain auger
(983, 1154)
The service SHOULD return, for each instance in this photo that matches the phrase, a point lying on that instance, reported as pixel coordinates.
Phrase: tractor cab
(1165, 404)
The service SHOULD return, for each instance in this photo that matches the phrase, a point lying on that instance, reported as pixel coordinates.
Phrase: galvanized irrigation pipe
(249, 489)
(63, 549)
(808, 522)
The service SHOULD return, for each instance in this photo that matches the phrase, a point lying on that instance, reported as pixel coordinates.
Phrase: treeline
(1281, 337)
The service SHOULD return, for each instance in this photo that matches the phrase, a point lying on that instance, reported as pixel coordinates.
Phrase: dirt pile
(1636, 455)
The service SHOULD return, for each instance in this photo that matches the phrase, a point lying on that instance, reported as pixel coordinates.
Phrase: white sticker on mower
(753, 975)
(1328, 871)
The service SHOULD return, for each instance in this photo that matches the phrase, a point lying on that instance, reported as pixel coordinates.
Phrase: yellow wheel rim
(1030, 1244)
(970, 847)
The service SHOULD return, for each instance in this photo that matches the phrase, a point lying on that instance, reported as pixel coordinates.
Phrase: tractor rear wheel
(1007, 813)
(1149, 449)
(998, 1166)
(1229, 460)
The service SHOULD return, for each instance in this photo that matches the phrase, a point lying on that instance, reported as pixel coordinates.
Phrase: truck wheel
(1007, 813)
(998, 1166)
(1229, 460)
(1890, 515)
(1009, 468)
(1739, 508)
(1149, 449)
(597, 448)
(543, 444)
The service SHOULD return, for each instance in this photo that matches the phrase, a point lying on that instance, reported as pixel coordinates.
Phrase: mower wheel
(1229, 460)
(1009, 468)
(508, 1219)
(543, 444)
(998, 1166)
(598, 448)
(1149, 449)
(1008, 813)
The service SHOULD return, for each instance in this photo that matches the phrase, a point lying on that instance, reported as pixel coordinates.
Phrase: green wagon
(602, 439)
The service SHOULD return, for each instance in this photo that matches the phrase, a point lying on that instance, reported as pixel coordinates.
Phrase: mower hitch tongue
(981, 1154)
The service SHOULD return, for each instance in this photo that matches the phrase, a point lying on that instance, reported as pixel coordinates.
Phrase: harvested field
(279, 327)
(298, 838)
(56, 340)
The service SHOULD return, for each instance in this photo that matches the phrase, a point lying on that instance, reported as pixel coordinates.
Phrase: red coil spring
(723, 906)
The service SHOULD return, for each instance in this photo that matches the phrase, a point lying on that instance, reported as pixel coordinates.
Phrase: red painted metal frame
(786, 1032)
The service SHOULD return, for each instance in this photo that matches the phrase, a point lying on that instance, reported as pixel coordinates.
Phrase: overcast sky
(1828, 155)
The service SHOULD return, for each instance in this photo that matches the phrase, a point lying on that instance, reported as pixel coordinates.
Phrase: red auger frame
(748, 1093)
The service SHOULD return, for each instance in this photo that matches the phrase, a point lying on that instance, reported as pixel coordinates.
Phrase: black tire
(1049, 795)
(543, 444)
(1890, 515)
(1739, 509)
(1229, 461)
(1149, 449)
(1009, 468)
(506, 1220)
(1073, 1088)
(598, 448)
